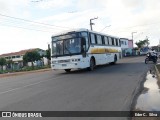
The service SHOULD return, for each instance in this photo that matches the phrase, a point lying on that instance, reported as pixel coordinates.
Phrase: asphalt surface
(107, 88)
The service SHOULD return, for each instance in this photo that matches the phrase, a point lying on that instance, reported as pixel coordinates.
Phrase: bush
(4, 71)
(26, 68)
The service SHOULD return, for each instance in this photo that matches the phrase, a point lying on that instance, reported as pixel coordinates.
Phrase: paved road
(107, 88)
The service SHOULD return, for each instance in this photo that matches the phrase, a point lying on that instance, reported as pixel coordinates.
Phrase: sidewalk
(22, 73)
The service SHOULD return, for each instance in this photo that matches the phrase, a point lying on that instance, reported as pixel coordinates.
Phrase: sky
(26, 24)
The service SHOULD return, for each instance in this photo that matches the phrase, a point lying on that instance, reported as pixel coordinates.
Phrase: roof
(81, 30)
(22, 52)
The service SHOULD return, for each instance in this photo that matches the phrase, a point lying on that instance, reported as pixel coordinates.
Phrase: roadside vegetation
(142, 43)
(27, 68)
(28, 57)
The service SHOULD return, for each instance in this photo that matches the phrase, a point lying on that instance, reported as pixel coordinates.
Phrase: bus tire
(92, 64)
(67, 70)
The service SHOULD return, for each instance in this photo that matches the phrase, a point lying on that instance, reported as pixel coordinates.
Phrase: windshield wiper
(68, 51)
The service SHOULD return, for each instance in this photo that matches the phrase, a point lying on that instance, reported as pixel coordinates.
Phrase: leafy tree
(139, 44)
(2, 62)
(146, 42)
(31, 57)
(142, 43)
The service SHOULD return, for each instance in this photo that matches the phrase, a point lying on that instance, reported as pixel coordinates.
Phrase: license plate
(64, 65)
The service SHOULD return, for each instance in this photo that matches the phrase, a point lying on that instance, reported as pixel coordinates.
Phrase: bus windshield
(69, 46)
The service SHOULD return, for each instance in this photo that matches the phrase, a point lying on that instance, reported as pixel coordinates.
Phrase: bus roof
(81, 30)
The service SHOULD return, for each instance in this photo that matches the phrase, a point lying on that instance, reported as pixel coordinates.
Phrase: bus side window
(85, 35)
(93, 41)
(110, 40)
(95, 36)
(106, 40)
(103, 41)
(99, 40)
(116, 42)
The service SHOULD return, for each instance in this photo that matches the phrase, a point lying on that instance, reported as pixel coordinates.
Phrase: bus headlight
(75, 60)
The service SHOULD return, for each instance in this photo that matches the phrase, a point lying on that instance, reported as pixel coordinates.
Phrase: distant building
(17, 57)
(144, 50)
(127, 46)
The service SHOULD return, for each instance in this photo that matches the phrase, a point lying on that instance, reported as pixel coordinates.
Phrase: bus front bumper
(63, 66)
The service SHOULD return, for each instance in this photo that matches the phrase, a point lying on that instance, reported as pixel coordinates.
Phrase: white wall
(124, 43)
(45, 60)
(17, 59)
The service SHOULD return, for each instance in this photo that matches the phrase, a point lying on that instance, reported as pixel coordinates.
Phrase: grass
(26, 68)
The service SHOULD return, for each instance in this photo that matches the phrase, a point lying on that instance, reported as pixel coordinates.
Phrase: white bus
(83, 48)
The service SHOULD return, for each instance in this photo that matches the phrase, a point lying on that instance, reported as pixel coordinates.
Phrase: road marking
(29, 85)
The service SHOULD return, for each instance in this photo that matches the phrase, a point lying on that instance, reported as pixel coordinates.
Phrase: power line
(20, 25)
(34, 21)
(25, 28)
(133, 27)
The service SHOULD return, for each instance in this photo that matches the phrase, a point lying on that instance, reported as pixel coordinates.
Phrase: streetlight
(91, 21)
(105, 27)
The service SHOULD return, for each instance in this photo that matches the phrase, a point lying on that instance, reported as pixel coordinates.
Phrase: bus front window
(57, 48)
(72, 46)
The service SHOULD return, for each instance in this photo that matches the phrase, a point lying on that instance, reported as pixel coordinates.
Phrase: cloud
(10, 7)
(124, 16)
(15, 39)
(53, 4)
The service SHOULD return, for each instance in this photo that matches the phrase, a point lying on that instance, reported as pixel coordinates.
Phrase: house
(127, 46)
(17, 58)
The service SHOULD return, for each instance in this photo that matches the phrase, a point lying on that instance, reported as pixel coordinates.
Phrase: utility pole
(132, 34)
(91, 22)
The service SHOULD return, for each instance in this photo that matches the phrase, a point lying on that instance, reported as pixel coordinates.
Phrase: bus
(83, 48)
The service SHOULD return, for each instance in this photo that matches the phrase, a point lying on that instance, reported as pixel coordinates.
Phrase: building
(17, 58)
(127, 46)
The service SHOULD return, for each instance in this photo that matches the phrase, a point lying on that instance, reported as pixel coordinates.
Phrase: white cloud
(11, 7)
(53, 4)
(14, 39)
(124, 16)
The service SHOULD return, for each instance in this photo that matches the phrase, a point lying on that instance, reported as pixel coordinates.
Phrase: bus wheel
(67, 70)
(92, 64)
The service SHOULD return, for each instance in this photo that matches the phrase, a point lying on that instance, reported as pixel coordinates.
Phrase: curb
(22, 73)
(157, 72)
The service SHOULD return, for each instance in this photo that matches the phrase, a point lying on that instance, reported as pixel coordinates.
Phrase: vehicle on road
(150, 57)
(82, 48)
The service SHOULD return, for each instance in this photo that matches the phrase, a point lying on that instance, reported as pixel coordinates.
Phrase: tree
(2, 62)
(142, 43)
(146, 42)
(31, 57)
